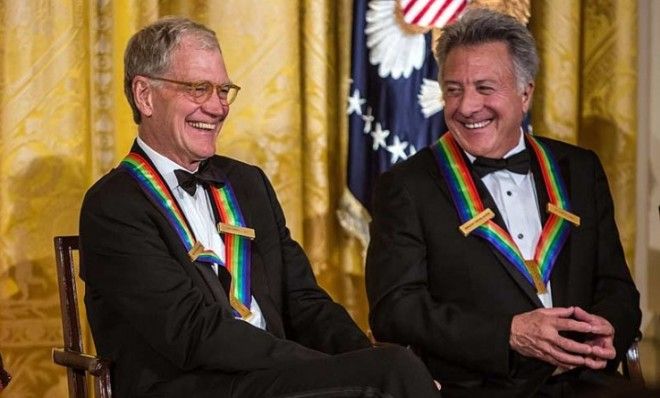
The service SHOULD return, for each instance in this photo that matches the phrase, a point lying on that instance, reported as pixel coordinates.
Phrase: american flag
(394, 104)
(431, 13)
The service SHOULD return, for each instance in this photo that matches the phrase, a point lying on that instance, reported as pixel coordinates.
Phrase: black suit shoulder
(114, 182)
(231, 166)
(563, 150)
(416, 171)
(414, 164)
(248, 178)
(115, 199)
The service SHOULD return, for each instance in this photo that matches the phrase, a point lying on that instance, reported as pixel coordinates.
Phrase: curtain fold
(45, 151)
(64, 122)
(587, 89)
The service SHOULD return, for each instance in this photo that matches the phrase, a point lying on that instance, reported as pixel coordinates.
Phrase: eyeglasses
(200, 92)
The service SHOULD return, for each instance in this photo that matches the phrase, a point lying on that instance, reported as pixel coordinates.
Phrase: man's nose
(471, 102)
(216, 106)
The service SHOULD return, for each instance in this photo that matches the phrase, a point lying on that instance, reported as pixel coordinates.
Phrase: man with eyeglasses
(193, 283)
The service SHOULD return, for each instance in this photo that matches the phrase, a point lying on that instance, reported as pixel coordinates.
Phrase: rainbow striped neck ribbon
(238, 245)
(237, 250)
(475, 218)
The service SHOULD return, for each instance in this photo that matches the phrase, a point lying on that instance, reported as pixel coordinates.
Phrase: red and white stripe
(431, 13)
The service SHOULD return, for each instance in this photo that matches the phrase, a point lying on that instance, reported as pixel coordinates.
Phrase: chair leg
(103, 384)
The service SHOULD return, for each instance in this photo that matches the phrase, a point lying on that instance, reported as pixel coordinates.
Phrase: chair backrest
(72, 356)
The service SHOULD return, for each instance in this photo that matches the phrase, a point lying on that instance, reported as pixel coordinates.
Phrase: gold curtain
(586, 91)
(64, 122)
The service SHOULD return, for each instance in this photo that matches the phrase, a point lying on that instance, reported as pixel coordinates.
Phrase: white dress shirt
(198, 211)
(515, 197)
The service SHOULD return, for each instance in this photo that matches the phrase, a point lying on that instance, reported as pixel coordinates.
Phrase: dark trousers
(390, 371)
(585, 383)
(578, 383)
(383, 372)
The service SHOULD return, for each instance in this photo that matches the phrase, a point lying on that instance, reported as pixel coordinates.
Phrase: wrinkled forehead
(192, 62)
(492, 56)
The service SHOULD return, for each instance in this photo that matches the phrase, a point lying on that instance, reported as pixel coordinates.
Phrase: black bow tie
(518, 163)
(205, 175)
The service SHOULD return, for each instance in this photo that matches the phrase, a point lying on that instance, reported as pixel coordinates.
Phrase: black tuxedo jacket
(165, 321)
(453, 297)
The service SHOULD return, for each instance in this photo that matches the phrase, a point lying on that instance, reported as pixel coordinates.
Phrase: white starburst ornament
(396, 51)
(430, 98)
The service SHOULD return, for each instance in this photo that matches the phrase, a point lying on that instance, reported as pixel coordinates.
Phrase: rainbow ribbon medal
(157, 191)
(238, 246)
(475, 218)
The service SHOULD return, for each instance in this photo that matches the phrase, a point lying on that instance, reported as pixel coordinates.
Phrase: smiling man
(194, 286)
(495, 253)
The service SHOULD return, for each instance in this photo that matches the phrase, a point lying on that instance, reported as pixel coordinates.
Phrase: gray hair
(479, 26)
(150, 50)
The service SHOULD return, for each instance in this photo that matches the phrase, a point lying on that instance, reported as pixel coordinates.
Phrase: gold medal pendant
(533, 269)
(239, 307)
(195, 251)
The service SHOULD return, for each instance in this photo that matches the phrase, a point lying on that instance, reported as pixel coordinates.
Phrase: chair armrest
(632, 367)
(77, 360)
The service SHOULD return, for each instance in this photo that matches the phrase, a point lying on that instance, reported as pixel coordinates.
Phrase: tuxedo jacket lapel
(214, 282)
(215, 287)
(261, 293)
(519, 279)
(559, 277)
(211, 288)
(539, 185)
(258, 281)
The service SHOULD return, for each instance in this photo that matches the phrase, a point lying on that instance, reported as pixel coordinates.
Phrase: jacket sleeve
(615, 296)
(402, 310)
(130, 266)
(311, 317)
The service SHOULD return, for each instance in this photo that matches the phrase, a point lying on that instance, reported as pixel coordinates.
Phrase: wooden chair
(78, 363)
(632, 368)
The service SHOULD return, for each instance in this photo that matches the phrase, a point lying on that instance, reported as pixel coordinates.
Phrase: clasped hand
(537, 334)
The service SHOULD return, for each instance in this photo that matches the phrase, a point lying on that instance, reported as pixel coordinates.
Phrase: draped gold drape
(64, 122)
(587, 89)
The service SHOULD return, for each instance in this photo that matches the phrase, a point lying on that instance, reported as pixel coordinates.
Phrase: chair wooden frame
(72, 356)
(631, 366)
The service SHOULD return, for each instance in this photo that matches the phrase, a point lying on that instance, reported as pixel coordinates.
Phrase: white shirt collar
(518, 178)
(165, 166)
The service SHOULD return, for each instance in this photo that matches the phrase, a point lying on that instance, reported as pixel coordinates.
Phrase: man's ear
(527, 96)
(142, 94)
